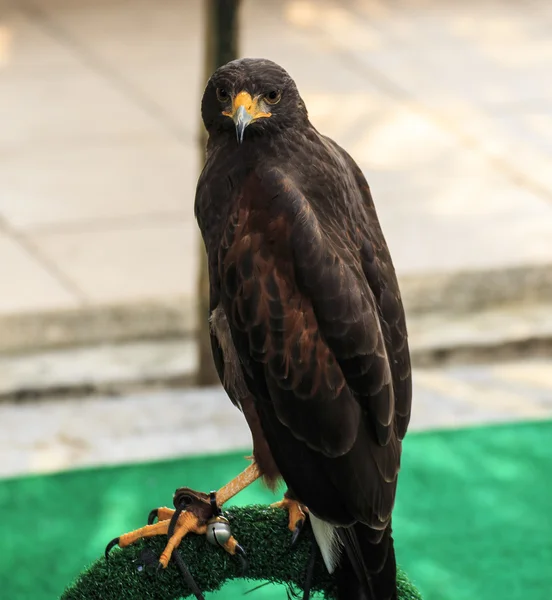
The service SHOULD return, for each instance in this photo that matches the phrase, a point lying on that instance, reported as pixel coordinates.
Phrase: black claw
(109, 546)
(240, 553)
(298, 528)
(152, 516)
(310, 571)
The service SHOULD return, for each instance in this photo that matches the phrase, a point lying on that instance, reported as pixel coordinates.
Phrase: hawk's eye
(222, 95)
(273, 97)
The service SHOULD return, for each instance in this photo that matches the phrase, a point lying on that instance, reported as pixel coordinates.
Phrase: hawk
(308, 329)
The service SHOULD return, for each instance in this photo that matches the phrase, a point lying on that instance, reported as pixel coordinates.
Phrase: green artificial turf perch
(131, 573)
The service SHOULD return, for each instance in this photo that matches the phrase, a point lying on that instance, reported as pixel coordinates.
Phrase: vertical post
(221, 46)
(221, 33)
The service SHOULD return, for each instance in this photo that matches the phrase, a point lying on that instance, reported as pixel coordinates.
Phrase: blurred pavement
(65, 433)
(447, 107)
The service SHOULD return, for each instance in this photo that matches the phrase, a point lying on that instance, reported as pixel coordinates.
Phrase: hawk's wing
(380, 275)
(318, 326)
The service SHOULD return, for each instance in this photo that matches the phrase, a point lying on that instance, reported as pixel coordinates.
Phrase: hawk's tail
(367, 569)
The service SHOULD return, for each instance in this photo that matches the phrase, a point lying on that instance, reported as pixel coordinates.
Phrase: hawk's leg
(194, 509)
(297, 515)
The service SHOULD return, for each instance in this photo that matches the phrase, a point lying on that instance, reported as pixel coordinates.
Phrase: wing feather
(317, 320)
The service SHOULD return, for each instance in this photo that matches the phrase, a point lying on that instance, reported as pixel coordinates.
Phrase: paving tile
(133, 176)
(26, 284)
(499, 327)
(128, 31)
(156, 47)
(26, 49)
(98, 367)
(463, 66)
(470, 222)
(442, 208)
(61, 109)
(489, 53)
(468, 396)
(134, 264)
(529, 378)
(69, 433)
(519, 141)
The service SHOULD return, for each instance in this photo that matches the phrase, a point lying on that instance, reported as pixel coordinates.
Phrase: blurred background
(447, 108)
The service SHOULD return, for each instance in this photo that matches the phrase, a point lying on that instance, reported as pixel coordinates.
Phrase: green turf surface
(127, 576)
(473, 518)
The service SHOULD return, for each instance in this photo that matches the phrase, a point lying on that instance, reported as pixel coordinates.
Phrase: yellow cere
(250, 104)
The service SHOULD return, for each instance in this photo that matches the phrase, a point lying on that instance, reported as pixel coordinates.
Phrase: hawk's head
(254, 94)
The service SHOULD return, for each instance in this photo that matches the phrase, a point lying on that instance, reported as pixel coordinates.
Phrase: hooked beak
(241, 120)
(245, 110)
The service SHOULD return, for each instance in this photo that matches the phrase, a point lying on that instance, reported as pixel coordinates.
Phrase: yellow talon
(297, 512)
